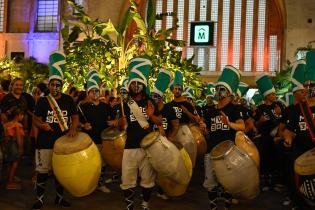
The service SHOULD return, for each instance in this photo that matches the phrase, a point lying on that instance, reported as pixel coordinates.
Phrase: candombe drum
(304, 166)
(77, 164)
(235, 170)
(199, 138)
(113, 146)
(165, 158)
(171, 187)
(186, 139)
(244, 143)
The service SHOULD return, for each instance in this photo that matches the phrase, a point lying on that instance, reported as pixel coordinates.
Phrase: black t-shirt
(176, 106)
(218, 131)
(10, 101)
(97, 116)
(273, 119)
(135, 133)
(296, 123)
(46, 139)
(167, 116)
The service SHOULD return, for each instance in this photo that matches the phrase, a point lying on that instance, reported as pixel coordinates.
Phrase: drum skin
(305, 163)
(77, 172)
(172, 188)
(199, 138)
(187, 140)
(235, 170)
(165, 158)
(113, 148)
(243, 142)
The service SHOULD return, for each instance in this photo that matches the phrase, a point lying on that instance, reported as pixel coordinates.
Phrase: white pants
(210, 179)
(43, 159)
(134, 161)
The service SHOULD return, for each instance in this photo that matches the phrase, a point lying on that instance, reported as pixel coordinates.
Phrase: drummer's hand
(72, 132)
(150, 109)
(287, 142)
(224, 118)
(112, 123)
(46, 127)
(87, 126)
(185, 110)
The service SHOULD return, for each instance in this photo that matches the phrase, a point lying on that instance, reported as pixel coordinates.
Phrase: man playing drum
(94, 117)
(300, 130)
(140, 114)
(53, 116)
(222, 120)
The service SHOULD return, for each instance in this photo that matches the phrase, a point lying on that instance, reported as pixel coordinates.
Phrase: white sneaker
(104, 189)
(163, 196)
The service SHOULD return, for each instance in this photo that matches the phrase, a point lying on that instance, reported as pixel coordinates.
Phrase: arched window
(244, 34)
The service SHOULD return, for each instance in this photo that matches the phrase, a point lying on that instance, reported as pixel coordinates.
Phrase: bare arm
(174, 131)
(74, 125)
(288, 137)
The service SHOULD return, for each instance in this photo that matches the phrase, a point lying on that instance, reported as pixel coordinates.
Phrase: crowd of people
(281, 128)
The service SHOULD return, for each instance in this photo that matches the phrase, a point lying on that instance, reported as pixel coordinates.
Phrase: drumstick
(122, 108)
(85, 119)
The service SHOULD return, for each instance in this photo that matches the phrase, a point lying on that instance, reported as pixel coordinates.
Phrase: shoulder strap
(137, 112)
(57, 112)
(308, 118)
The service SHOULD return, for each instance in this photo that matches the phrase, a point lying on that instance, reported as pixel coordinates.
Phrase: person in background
(13, 145)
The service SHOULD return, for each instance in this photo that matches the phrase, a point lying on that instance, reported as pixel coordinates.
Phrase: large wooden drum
(187, 140)
(199, 138)
(244, 143)
(113, 146)
(77, 164)
(172, 188)
(305, 163)
(165, 158)
(235, 170)
(304, 167)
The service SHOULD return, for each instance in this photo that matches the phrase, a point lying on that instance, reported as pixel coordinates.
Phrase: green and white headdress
(298, 75)
(310, 66)
(124, 84)
(287, 99)
(93, 80)
(257, 98)
(57, 61)
(242, 89)
(188, 91)
(210, 89)
(139, 69)
(265, 85)
(230, 78)
(162, 82)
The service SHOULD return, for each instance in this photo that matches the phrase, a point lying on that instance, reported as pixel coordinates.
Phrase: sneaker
(113, 179)
(163, 196)
(286, 202)
(145, 205)
(104, 189)
(235, 201)
(265, 188)
(62, 203)
(37, 205)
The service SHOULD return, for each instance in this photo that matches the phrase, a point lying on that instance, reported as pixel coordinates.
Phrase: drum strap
(57, 112)
(308, 118)
(137, 112)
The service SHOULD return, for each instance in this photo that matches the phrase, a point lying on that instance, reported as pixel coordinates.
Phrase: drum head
(112, 133)
(221, 149)
(68, 145)
(305, 163)
(149, 139)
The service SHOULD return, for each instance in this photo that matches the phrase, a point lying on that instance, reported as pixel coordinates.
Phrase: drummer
(184, 111)
(54, 114)
(222, 120)
(140, 114)
(298, 134)
(168, 115)
(94, 117)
